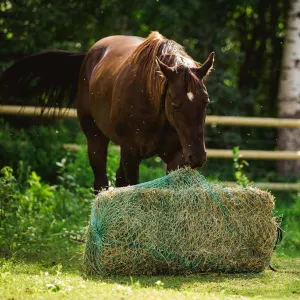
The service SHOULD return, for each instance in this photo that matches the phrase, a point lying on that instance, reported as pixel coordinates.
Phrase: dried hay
(180, 224)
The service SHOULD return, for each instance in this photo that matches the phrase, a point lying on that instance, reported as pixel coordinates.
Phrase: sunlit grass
(55, 272)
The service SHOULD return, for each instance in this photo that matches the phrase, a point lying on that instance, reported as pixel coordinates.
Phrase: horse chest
(153, 142)
(146, 143)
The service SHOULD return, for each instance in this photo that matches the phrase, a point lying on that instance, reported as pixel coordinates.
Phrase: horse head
(185, 107)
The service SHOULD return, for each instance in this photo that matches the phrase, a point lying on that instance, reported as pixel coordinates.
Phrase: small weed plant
(239, 167)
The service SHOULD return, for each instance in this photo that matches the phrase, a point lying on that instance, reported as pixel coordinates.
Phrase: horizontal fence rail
(253, 121)
(223, 153)
(211, 120)
(32, 111)
(255, 154)
(273, 186)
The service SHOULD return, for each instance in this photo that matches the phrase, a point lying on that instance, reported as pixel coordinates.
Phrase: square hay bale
(180, 224)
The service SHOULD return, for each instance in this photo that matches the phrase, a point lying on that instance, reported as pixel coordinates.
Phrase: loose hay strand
(180, 224)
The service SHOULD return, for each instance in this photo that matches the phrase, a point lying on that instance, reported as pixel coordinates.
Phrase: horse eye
(175, 105)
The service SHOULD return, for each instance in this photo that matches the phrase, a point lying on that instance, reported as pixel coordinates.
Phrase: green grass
(55, 272)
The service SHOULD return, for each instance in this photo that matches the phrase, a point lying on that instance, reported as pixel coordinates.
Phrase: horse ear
(167, 71)
(205, 69)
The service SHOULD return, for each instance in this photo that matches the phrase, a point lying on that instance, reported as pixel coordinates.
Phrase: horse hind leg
(97, 144)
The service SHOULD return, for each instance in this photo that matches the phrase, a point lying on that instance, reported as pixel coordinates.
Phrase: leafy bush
(36, 212)
(291, 227)
(38, 148)
(77, 164)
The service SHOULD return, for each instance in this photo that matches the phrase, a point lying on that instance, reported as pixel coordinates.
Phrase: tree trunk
(289, 90)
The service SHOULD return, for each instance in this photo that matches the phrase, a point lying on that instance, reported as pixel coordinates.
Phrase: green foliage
(151, 169)
(239, 165)
(291, 226)
(39, 148)
(77, 164)
(36, 212)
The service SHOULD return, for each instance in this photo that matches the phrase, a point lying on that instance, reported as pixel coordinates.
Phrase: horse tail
(47, 79)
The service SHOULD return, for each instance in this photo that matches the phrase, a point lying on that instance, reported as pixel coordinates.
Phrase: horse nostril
(190, 157)
(195, 160)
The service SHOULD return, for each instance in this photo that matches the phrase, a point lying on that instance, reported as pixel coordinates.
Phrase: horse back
(110, 53)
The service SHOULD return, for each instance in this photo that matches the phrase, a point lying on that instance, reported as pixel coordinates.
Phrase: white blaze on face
(190, 96)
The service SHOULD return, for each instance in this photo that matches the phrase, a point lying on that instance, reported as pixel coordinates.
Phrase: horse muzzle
(195, 160)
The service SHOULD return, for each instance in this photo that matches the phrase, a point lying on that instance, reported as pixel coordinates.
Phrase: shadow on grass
(243, 283)
(69, 255)
(173, 282)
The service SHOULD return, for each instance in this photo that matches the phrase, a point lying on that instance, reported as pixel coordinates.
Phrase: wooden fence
(218, 120)
(211, 120)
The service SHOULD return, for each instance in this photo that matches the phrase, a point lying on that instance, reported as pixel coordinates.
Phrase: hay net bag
(180, 224)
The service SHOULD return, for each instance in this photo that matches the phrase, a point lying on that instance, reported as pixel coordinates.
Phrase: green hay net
(180, 224)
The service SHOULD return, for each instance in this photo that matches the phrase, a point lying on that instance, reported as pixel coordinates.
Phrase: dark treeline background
(246, 35)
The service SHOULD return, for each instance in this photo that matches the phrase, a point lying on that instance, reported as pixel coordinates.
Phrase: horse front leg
(97, 144)
(97, 153)
(128, 172)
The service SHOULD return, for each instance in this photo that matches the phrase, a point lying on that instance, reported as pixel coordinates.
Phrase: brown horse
(146, 95)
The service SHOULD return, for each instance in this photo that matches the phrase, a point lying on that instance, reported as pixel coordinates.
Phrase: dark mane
(171, 54)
